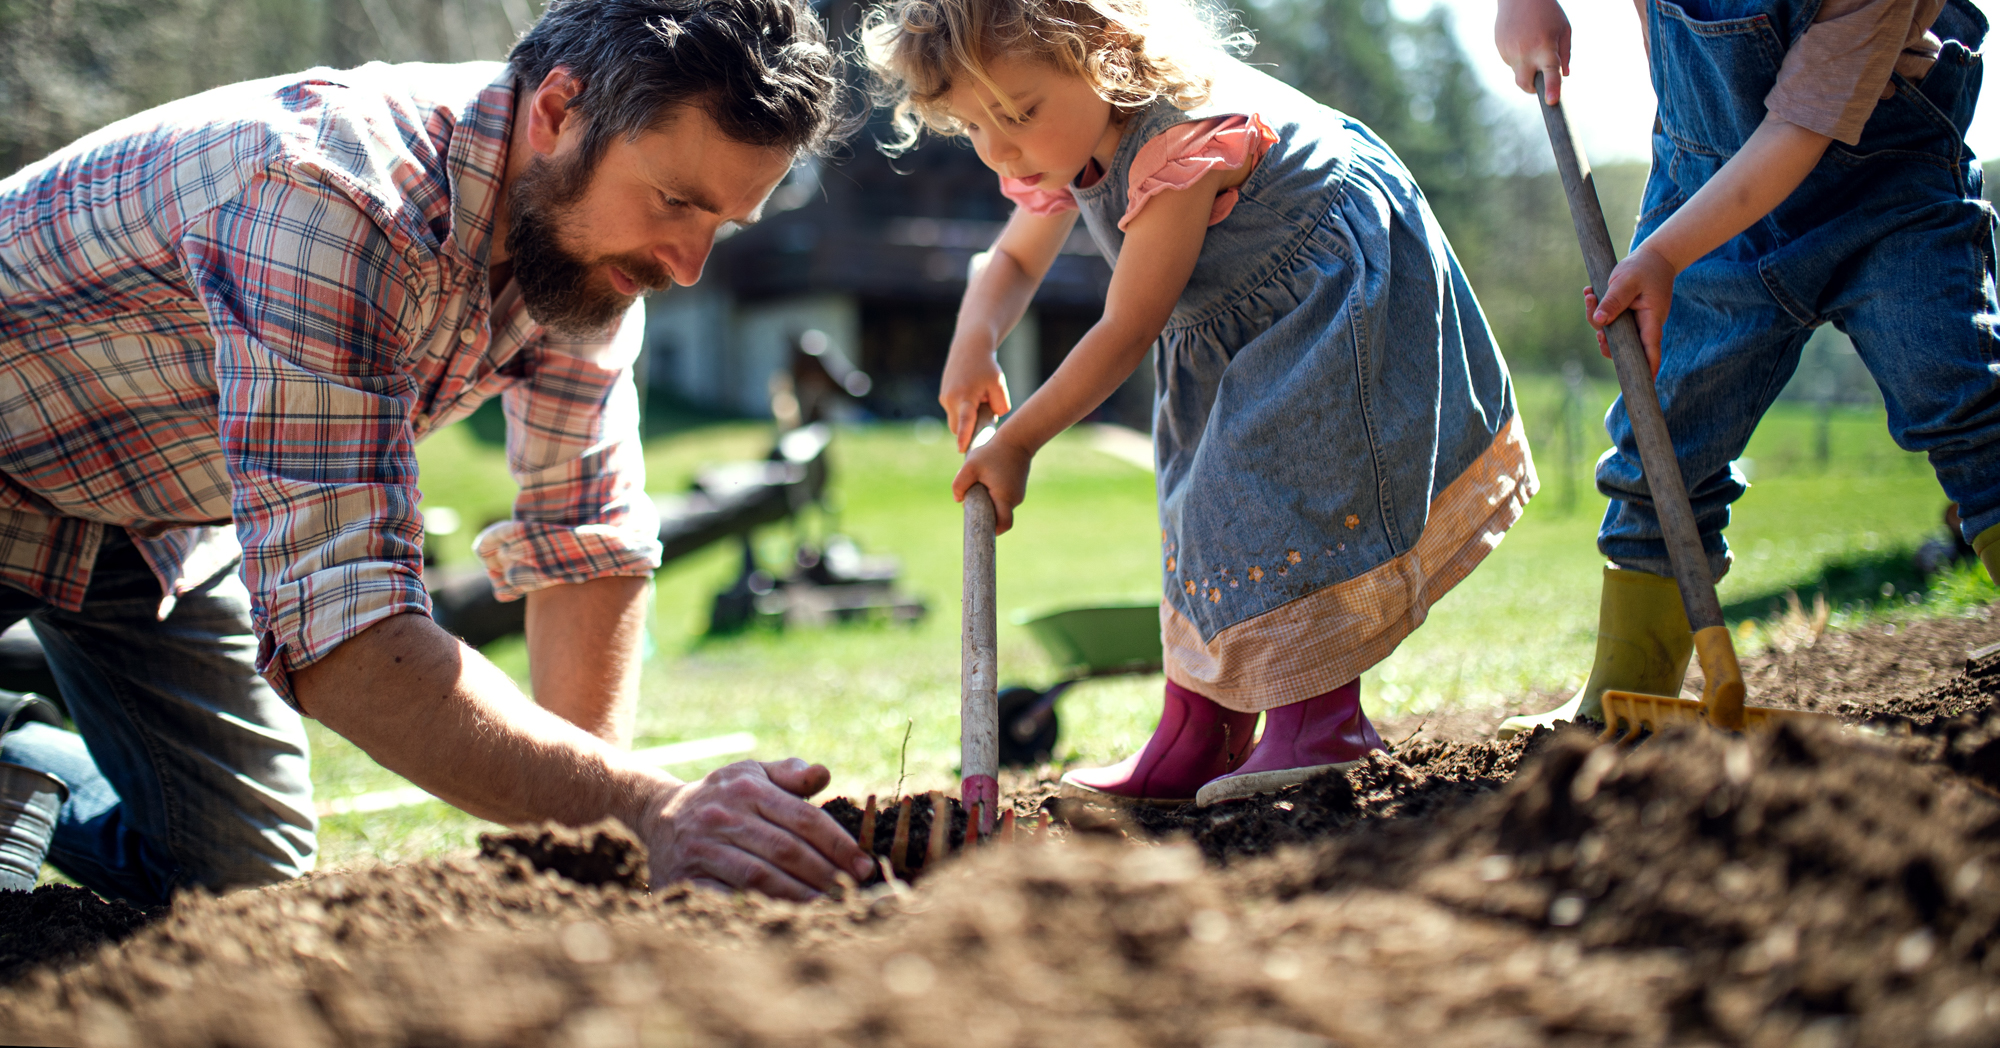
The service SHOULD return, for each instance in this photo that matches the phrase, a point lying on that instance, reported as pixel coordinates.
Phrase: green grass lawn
(846, 696)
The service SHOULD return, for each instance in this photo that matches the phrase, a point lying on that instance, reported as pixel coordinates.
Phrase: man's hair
(761, 69)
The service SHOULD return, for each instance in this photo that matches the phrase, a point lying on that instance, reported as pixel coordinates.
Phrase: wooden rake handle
(1723, 694)
(979, 661)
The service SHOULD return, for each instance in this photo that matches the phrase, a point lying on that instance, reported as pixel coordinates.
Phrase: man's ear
(548, 110)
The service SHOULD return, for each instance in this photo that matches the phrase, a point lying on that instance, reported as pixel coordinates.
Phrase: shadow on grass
(1863, 578)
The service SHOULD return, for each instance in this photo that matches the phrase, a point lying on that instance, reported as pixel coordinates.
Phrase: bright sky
(1609, 97)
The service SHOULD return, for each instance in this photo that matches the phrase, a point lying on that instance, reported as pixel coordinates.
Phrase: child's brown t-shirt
(1840, 68)
(1832, 78)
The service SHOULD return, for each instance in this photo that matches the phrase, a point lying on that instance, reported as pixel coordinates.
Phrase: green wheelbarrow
(1103, 641)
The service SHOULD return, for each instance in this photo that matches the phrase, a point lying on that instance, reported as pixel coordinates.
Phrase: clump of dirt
(603, 854)
(58, 924)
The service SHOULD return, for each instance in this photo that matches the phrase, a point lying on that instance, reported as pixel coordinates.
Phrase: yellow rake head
(1634, 713)
(1721, 704)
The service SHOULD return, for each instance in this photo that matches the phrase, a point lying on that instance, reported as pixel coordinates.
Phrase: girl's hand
(1002, 466)
(1161, 244)
(971, 378)
(1533, 37)
(1643, 283)
(1002, 282)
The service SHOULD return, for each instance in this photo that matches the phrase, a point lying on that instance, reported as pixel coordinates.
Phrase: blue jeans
(186, 769)
(1887, 240)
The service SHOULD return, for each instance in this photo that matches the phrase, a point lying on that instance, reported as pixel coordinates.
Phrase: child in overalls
(1809, 166)
(1335, 432)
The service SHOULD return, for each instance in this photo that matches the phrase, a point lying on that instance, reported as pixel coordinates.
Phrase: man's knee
(268, 853)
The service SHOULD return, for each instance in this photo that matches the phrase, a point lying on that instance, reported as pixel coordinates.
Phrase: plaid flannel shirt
(225, 322)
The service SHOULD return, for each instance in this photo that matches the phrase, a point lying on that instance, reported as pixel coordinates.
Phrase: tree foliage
(1484, 176)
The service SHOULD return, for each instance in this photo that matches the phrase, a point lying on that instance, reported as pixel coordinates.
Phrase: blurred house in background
(873, 253)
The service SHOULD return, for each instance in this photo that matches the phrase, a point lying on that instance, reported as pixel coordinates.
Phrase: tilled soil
(1877, 664)
(59, 923)
(1810, 888)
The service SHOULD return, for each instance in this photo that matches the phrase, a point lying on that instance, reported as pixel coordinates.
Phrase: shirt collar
(477, 164)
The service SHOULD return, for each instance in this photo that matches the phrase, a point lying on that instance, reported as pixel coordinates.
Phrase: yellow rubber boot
(1987, 545)
(1643, 642)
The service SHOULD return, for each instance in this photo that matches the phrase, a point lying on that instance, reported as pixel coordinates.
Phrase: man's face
(585, 241)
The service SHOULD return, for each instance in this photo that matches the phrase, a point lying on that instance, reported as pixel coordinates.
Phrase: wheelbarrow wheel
(1040, 745)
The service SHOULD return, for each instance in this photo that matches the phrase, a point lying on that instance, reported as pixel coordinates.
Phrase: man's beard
(559, 289)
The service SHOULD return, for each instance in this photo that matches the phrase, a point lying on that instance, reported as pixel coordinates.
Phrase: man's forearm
(435, 711)
(584, 643)
(425, 705)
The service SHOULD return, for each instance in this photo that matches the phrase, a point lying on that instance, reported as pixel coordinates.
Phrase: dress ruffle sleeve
(1179, 156)
(1038, 200)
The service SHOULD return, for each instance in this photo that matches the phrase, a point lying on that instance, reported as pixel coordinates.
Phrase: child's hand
(971, 379)
(1643, 283)
(1002, 466)
(1773, 163)
(1533, 37)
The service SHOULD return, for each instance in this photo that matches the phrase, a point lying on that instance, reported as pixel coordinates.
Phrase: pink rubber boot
(1196, 741)
(1300, 741)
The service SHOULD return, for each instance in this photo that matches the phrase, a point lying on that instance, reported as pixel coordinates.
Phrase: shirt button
(466, 336)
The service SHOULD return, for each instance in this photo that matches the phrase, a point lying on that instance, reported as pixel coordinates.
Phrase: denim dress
(1887, 239)
(1334, 428)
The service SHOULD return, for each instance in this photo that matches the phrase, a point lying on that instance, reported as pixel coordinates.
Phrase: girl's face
(1061, 123)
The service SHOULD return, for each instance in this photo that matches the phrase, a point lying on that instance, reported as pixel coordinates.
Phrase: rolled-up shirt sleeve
(573, 446)
(313, 304)
(1833, 77)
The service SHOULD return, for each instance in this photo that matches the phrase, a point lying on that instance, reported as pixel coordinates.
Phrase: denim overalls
(1889, 240)
(1324, 375)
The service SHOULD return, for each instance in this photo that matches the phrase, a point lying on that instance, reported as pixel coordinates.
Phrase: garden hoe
(978, 711)
(979, 664)
(1721, 704)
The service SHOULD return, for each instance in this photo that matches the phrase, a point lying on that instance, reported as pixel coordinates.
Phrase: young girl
(1335, 431)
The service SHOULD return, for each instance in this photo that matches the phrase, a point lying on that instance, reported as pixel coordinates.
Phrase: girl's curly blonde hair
(1131, 52)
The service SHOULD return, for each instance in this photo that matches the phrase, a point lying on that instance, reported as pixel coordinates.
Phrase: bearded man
(225, 323)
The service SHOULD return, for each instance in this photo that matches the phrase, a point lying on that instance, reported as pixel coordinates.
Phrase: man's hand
(745, 826)
(425, 705)
(1643, 283)
(972, 378)
(1533, 37)
(1002, 466)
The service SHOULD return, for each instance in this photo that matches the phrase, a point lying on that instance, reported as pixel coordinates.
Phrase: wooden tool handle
(1724, 693)
(979, 662)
